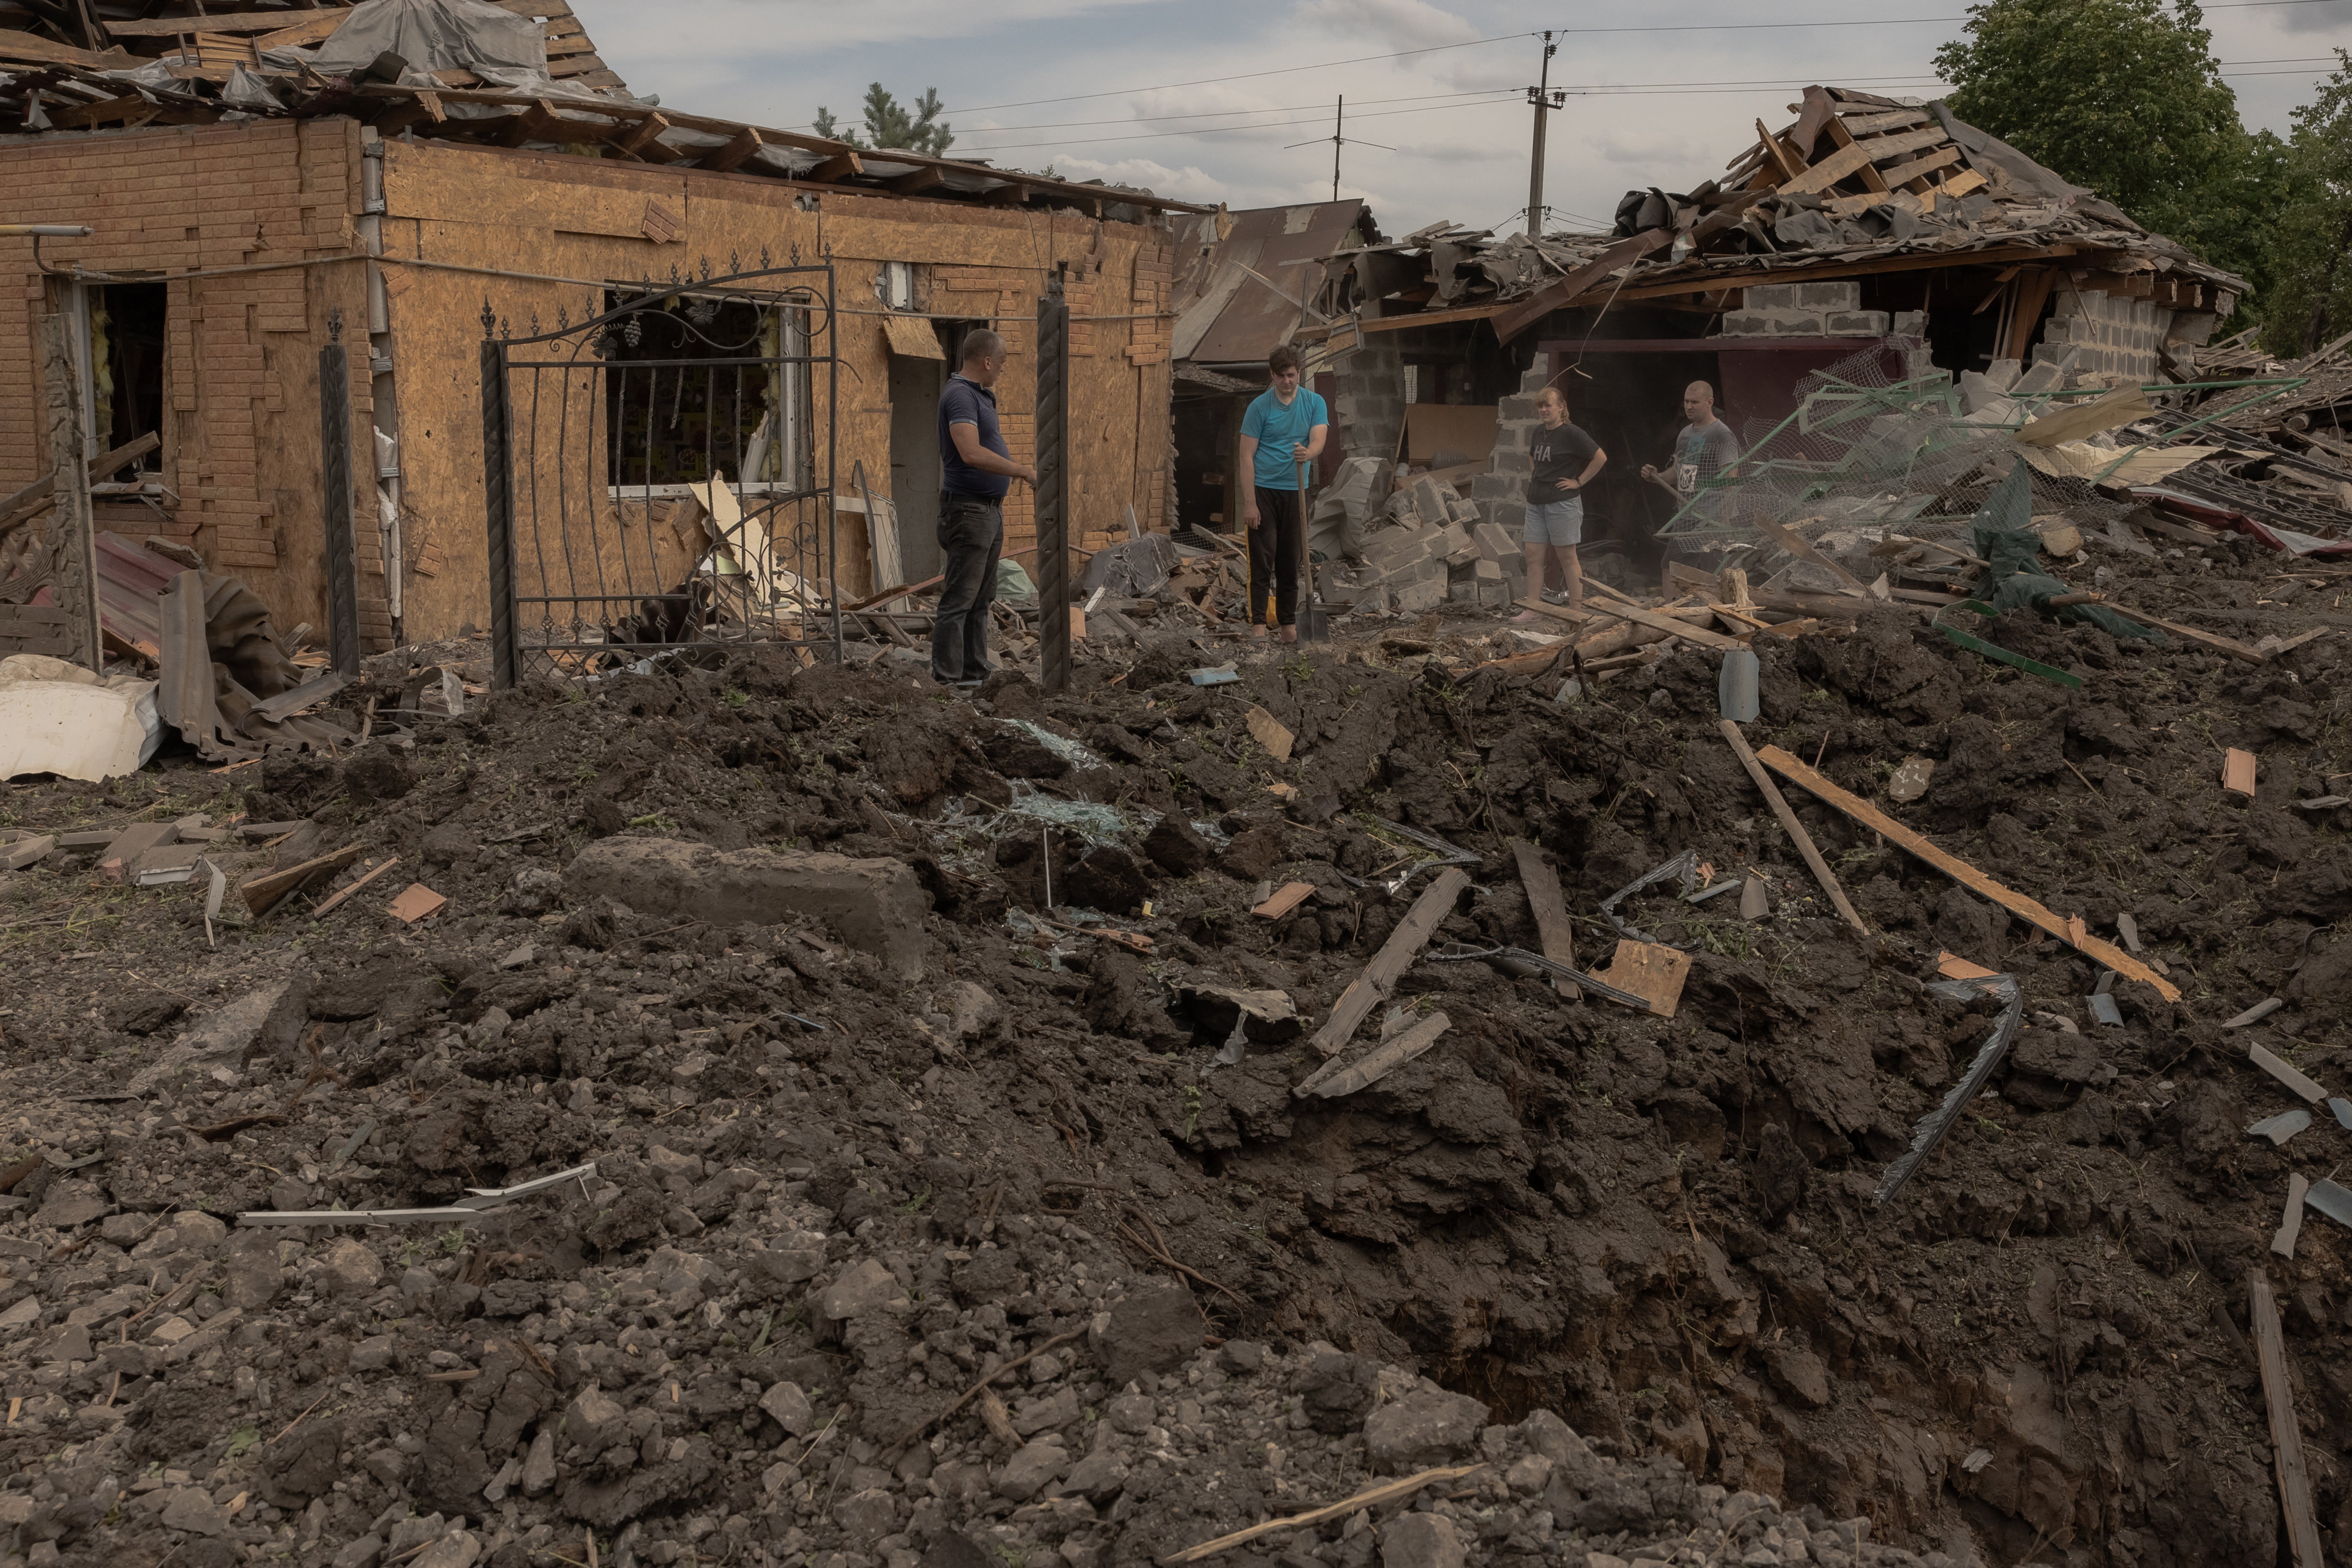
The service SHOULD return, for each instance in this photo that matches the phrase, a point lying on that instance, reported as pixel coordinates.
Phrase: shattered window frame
(752, 337)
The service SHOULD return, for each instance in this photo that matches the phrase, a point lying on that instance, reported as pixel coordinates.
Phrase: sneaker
(1554, 597)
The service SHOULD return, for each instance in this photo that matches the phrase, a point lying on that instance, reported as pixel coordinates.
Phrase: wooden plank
(1285, 898)
(2291, 1226)
(336, 899)
(1920, 168)
(230, 22)
(1665, 623)
(1789, 823)
(1783, 158)
(1714, 282)
(263, 892)
(2234, 648)
(740, 146)
(837, 169)
(1968, 875)
(2286, 1437)
(1370, 988)
(2237, 771)
(1557, 937)
(415, 902)
(1847, 160)
(1843, 134)
(1960, 184)
(1270, 732)
(1512, 320)
(1385, 1059)
(30, 47)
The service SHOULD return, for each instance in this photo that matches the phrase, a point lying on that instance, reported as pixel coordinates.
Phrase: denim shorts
(1558, 524)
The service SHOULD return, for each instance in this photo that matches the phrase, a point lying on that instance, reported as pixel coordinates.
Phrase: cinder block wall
(1368, 404)
(2114, 335)
(240, 436)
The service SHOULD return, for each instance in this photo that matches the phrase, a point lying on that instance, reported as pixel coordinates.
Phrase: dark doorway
(915, 387)
(126, 336)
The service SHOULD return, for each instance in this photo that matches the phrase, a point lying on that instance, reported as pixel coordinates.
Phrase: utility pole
(1337, 122)
(1338, 138)
(1546, 100)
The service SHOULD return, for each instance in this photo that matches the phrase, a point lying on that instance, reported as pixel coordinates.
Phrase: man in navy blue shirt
(1285, 426)
(976, 468)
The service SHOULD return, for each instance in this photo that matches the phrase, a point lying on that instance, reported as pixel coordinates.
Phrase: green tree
(2125, 97)
(889, 123)
(2312, 302)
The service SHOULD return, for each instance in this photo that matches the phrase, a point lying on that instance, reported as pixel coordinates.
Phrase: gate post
(335, 483)
(1053, 489)
(498, 503)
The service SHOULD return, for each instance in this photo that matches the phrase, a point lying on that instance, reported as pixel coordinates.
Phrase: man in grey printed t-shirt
(1704, 450)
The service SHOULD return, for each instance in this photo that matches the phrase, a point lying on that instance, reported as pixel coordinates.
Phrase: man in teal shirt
(1285, 426)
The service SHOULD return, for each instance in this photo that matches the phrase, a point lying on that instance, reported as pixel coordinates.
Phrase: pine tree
(889, 123)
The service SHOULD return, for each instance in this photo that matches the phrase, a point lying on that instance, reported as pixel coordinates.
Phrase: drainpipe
(385, 448)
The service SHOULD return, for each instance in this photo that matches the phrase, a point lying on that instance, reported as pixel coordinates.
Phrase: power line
(1227, 113)
(1509, 38)
(1637, 90)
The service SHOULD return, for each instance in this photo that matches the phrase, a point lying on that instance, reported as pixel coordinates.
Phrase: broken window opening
(706, 384)
(120, 346)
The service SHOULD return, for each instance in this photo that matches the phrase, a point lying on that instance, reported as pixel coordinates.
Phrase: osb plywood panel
(985, 262)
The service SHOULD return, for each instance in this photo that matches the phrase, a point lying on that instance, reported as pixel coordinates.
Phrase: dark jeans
(1274, 546)
(972, 535)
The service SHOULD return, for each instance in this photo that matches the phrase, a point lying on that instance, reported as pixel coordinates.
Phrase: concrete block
(1769, 296)
(1463, 513)
(1840, 296)
(1855, 323)
(1520, 463)
(1910, 324)
(1745, 323)
(1512, 408)
(1509, 517)
(1464, 591)
(1419, 596)
(1496, 487)
(1455, 547)
(1514, 437)
(877, 906)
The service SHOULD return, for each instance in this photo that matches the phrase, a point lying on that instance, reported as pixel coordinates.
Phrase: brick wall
(240, 442)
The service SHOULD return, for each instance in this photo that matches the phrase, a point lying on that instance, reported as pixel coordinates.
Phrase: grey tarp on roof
(435, 35)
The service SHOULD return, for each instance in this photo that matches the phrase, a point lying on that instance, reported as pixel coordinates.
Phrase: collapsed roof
(1858, 184)
(506, 73)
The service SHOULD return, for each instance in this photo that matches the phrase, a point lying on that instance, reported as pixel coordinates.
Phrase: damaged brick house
(1866, 220)
(253, 178)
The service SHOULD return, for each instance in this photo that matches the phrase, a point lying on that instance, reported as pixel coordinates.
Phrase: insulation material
(58, 718)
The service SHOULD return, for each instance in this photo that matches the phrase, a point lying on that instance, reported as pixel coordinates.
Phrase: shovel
(1311, 626)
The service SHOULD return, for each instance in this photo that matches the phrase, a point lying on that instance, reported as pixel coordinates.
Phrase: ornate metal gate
(660, 472)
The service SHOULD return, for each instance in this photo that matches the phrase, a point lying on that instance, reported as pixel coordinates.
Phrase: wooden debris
(415, 902)
(1371, 1496)
(130, 843)
(1285, 898)
(1651, 971)
(1755, 899)
(1952, 966)
(2237, 771)
(26, 851)
(1389, 1056)
(263, 892)
(2235, 649)
(1270, 732)
(1369, 989)
(2286, 1438)
(1550, 910)
(1795, 830)
(2286, 1073)
(2291, 1226)
(338, 897)
(1968, 875)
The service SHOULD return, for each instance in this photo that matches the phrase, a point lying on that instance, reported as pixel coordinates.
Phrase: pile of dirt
(831, 1194)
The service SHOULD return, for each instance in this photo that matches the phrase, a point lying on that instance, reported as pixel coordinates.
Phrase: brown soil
(1662, 1231)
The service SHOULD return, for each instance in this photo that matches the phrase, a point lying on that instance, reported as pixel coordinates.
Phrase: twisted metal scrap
(1933, 1126)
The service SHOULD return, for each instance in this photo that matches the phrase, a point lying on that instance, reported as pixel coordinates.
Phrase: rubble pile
(953, 1198)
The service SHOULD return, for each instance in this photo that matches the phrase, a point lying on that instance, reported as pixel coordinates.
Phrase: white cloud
(1654, 151)
(1400, 24)
(1189, 183)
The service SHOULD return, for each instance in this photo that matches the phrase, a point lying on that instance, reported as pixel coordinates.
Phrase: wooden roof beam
(916, 182)
(739, 147)
(1011, 194)
(833, 170)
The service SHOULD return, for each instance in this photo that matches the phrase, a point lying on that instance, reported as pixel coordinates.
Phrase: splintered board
(1651, 971)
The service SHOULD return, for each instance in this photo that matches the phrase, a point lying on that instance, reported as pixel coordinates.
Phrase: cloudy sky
(1200, 99)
